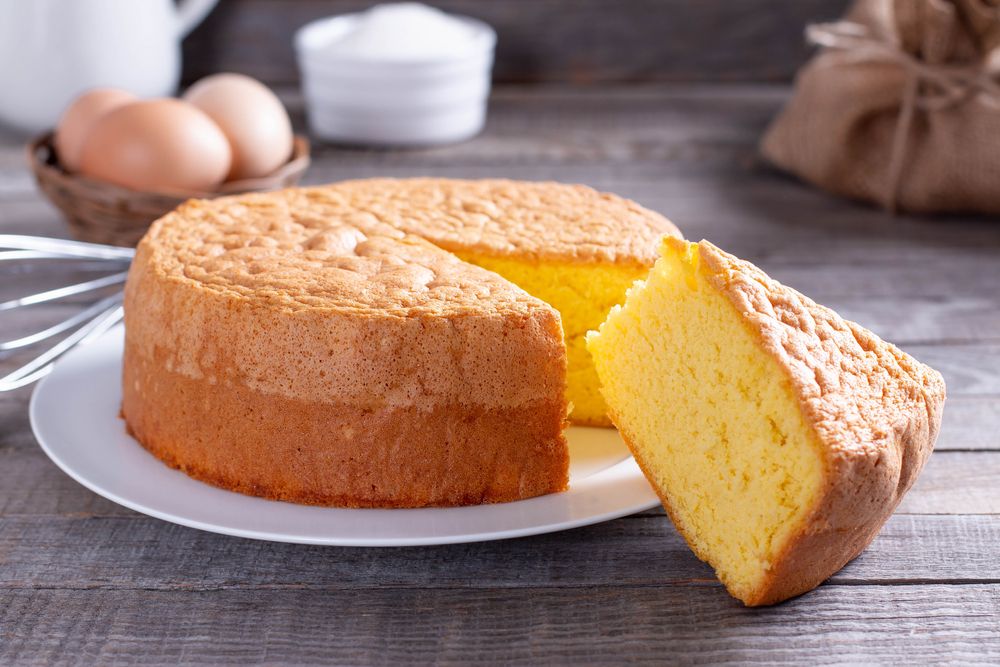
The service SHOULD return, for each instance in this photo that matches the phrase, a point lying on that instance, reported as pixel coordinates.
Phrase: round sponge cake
(339, 345)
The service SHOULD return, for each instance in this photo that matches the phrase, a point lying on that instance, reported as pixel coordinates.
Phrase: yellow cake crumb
(704, 414)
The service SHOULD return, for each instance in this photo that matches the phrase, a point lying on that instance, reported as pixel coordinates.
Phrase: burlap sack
(900, 107)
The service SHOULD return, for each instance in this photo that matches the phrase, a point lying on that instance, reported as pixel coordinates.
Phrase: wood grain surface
(691, 623)
(85, 581)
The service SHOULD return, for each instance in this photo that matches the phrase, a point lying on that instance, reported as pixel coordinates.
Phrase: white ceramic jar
(411, 95)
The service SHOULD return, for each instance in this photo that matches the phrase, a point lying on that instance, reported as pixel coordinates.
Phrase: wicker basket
(100, 212)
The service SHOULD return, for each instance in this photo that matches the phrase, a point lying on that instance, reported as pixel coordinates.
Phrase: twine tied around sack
(929, 87)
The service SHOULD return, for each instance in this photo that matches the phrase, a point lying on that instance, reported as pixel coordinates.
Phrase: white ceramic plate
(74, 413)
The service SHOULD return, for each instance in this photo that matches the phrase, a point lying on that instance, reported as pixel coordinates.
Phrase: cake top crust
(537, 220)
(383, 244)
(282, 250)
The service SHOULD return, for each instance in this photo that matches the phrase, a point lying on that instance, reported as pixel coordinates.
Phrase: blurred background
(570, 42)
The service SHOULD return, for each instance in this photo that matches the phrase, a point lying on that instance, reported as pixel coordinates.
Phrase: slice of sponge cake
(779, 436)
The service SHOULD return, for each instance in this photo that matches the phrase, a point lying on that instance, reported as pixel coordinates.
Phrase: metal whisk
(83, 326)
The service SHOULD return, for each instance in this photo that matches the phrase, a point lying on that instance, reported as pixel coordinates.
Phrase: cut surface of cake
(339, 345)
(779, 436)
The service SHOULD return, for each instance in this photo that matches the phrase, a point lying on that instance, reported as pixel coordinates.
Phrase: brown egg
(252, 118)
(161, 145)
(79, 117)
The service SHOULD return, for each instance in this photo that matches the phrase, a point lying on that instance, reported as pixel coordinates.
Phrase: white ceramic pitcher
(52, 50)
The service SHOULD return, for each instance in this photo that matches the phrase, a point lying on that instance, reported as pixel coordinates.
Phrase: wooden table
(84, 580)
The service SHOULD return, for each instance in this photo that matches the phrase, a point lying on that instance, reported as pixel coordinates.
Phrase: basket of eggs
(115, 163)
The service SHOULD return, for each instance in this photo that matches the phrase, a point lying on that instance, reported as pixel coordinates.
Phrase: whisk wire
(70, 322)
(65, 248)
(84, 326)
(43, 363)
(12, 255)
(63, 292)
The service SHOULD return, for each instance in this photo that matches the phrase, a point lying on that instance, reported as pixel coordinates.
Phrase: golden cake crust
(340, 318)
(876, 412)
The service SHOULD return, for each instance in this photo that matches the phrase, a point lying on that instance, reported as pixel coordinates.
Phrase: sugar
(405, 31)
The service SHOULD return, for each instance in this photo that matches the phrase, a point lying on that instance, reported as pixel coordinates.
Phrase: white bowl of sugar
(401, 74)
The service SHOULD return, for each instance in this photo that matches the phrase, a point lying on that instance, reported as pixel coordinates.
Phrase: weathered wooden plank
(581, 41)
(137, 552)
(31, 484)
(919, 320)
(915, 548)
(956, 483)
(689, 624)
(968, 369)
(970, 423)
